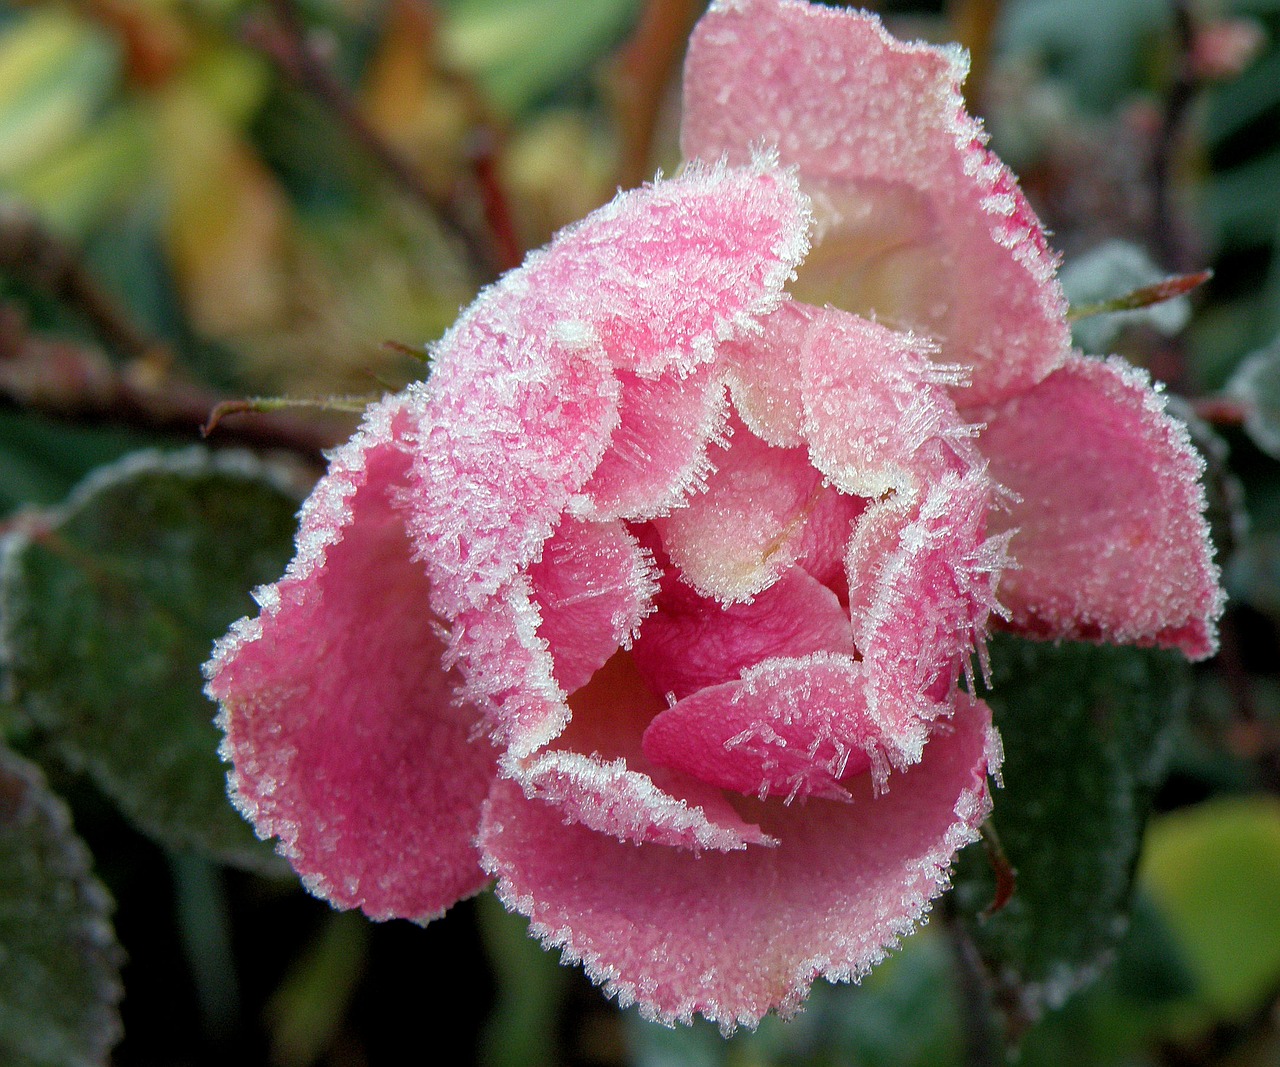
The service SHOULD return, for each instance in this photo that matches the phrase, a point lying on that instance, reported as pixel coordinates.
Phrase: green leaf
(1086, 732)
(108, 608)
(60, 977)
(1214, 873)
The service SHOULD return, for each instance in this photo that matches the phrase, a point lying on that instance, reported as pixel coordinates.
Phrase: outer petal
(1111, 539)
(340, 722)
(523, 398)
(908, 200)
(733, 936)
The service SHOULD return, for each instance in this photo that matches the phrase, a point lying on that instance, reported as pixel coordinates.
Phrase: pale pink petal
(734, 539)
(658, 453)
(824, 541)
(791, 727)
(734, 936)
(592, 586)
(523, 398)
(341, 726)
(876, 417)
(597, 774)
(691, 642)
(1111, 540)
(917, 223)
(763, 372)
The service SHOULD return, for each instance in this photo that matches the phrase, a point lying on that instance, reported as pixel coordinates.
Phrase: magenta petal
(692, 642)
(733, 936)
(1111, 540)
(592, 587)
(911, 208)
(342, 728)
(523, 397)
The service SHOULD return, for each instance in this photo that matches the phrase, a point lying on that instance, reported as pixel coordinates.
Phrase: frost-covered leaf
(1256, 384)
(59, 959)
(1086, 731)
(108, 607)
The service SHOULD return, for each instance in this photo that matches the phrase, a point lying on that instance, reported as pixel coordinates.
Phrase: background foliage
(204, 200)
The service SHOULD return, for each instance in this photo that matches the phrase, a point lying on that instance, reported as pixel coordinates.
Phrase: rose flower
(653, 602)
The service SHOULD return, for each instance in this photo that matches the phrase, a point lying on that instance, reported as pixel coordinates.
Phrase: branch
(33, 254)
(1167, 231)
(644, 69)
(76, 382)
(283, 40)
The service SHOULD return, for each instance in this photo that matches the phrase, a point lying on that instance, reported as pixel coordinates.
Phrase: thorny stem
(644, 68)
(283, 40)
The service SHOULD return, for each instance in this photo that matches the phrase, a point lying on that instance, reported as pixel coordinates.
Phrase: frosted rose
(651, 604)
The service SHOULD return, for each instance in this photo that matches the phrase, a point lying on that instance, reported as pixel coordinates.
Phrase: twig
(644, 69)
(1002, 870)
(483, 153)
(283, 40)
(32, 253)
(76, 382)
(983, 1046)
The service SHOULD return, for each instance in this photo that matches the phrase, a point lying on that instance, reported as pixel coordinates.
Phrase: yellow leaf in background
(1214, 872)
(56, 72)
(228, 219)
(409, 102)
(75, 189)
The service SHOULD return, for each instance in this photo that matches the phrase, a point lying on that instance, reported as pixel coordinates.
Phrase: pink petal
(875, 415)
(658, 453)
(922, 577)
(733, 540)
(522, 399)
(911, 208)
(791, 727)
(692, 642)
(1112, 543)
(764, 376)
(597, 774)
(346, 741)
(733, 936)
(593, 586)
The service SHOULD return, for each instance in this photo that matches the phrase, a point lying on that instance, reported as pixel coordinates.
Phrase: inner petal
(877, 253)
(691, 642)
(735, 539)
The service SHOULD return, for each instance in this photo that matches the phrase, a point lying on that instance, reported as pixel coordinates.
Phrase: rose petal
(918, 223)
(733, 936)
(592, 586)
(1111, 539)
(522, 398)
(875, 416)
(764, 376)
(340, 722)
(791, 727)
(597, 773)
(658, 453)
(734, 539)
(692, 642)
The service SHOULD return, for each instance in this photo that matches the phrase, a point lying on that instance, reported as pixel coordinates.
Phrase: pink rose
(651, 604)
